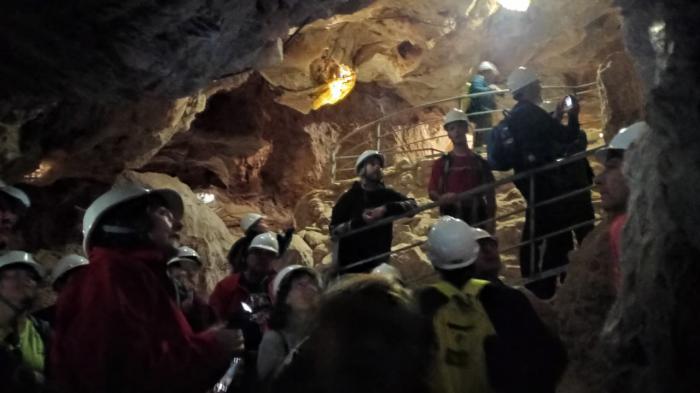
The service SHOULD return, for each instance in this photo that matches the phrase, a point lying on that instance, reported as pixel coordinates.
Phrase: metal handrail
(477, 190)
(443, 100)
(488, 220)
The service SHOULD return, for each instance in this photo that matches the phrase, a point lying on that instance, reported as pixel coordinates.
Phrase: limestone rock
(320, 253)
(414, 266)
(298, 253)
(202, 229)
(314, 239)
(423, 225)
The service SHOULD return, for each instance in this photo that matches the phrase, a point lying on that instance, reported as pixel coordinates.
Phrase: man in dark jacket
(254, 224)
(540, 139)
(367, 201)
(487, 336)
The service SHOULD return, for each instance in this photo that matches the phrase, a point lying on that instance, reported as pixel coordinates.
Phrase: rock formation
(652, 331)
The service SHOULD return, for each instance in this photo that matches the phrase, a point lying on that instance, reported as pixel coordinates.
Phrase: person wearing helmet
(541, 138)
(369, 337)
(488, 264)
(367, 201)
(242, 299)
(488, 337)
(184, 270)
(13, 204)
(482, 82)
(461, 170)
(23, 338)
(252, 225)
(593, 280)
(60, 276)
(117, 328)
(296, 291)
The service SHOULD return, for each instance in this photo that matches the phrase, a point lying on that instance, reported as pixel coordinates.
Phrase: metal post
(532, 203)
(333, 164)
(379, 136)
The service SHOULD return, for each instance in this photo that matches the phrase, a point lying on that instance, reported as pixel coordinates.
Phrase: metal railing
(378, 135)
(536, 274)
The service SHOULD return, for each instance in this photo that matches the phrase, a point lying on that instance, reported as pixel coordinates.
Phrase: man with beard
(367, 201)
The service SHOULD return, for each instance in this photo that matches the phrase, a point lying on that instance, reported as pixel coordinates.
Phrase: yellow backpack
(461, 325)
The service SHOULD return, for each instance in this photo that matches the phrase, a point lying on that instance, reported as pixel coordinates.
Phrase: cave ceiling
(102, 87)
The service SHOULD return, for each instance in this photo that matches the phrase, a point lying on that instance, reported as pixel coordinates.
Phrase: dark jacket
(239, 251)
(523, 356)
(541, 139)
(347, 215)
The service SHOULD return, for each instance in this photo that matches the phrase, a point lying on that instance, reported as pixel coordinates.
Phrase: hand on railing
(372, 215)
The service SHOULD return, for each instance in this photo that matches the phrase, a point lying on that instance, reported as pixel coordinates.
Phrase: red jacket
(118, 331)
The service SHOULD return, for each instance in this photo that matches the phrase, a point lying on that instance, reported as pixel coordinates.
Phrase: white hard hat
(24, 258)
(15, 193)
(488, 66)
(66, 264)
(454, 115)
(366, 155)
(185, 254)
(452, 244)
(520, 78)
(284, 273)
(265, 241)
(249, 220)
(388, 271)
(119, 195)
(624, 139)
(480, 234)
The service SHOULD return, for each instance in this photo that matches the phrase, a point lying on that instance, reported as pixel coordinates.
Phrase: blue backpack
(500, 146)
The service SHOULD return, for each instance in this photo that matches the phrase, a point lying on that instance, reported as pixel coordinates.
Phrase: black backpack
(501, 147)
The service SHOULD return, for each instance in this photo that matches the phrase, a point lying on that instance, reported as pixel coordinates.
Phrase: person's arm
(271, 354)
(285, 239)
(435, 175)
(524, 351)
(488, 178)
(398, 203)
(341, 218)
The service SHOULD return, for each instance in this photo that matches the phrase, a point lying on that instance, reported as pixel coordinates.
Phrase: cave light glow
(515, 5)
(338, 88)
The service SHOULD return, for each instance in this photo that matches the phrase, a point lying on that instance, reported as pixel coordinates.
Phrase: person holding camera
(540, 138)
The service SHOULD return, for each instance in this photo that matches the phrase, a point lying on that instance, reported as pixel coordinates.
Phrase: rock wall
(652, 332)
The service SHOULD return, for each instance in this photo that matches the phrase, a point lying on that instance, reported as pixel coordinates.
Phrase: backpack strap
(446, 163)
(448, 289)
(474, 287)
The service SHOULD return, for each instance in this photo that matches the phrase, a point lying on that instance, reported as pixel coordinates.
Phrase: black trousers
(481, 121)
(553, 251)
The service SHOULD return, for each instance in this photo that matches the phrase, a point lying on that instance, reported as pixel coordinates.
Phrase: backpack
(461, 325)
(501, 147)
(476, 209)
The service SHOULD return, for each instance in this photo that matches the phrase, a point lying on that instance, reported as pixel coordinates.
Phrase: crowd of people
(129, 316)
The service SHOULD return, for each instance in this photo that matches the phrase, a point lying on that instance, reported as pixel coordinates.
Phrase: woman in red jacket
(117, 329)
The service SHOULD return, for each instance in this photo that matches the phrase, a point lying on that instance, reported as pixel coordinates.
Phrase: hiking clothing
(347, 215)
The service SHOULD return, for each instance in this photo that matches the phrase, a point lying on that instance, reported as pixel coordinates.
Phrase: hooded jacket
(117, 330)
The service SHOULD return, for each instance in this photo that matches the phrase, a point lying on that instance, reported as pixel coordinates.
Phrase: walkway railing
(537, 274)
(374, 136)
